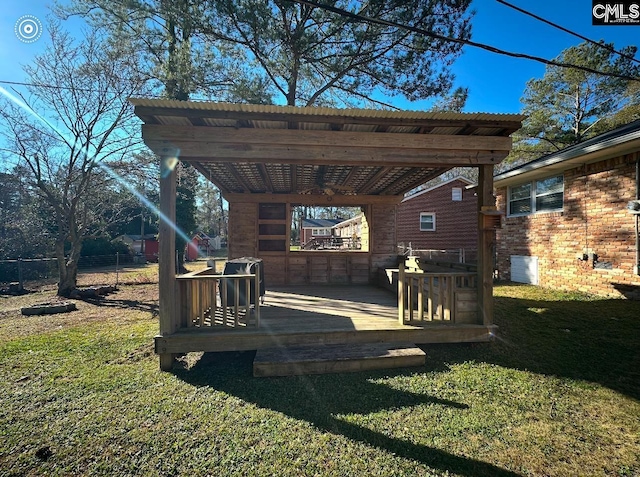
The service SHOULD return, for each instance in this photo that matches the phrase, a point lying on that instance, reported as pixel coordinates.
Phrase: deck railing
(208, 299)
(442, 297)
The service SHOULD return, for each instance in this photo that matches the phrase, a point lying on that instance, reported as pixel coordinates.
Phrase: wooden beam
(376, 177)
(231, 168)
(390, 188)
(364, 156)
(468, 129)
(265, 177)
(197, 121)
(294, 179)
(149, 120)
(243, 137)
(337, 120)
(210, 177)
(316, 199)
(167, 259)
(209, 341)
(352, 174)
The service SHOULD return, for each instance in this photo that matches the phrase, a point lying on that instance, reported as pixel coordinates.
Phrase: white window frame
(456, 194)
(433, 216)
(533, 196)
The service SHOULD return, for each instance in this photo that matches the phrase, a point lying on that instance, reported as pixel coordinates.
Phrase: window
(319, 232)
(544, 195)
(427, 222)
(456, 194)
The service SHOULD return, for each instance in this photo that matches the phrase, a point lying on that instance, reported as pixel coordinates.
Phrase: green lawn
(556, 394)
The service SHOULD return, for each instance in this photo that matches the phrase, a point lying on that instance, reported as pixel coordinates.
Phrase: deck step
(340, 358)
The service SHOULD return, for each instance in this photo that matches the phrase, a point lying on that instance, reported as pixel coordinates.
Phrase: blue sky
(496, 82)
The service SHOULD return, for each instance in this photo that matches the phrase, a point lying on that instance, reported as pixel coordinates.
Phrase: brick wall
(594, 220)
(456, 221)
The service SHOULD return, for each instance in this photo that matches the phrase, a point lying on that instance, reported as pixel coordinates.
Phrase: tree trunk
(67, 268)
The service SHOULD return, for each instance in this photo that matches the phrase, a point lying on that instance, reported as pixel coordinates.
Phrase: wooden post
(421, 298)
(20, 275)
(167, 260)
(256, 284)
(401, 292)
(486, 241)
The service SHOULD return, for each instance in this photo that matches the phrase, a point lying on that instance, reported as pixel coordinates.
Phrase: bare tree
(73, 130)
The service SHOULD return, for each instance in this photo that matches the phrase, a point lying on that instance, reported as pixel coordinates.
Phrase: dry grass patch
(117, 308)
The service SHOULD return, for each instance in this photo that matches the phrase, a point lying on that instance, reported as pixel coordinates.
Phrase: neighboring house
(442, 217)
(350, 232)
(567, 222)
(139, 244)
(201, 245)
(317, 228)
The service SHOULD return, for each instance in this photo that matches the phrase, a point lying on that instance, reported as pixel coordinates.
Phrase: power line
(560, 27)
(493, 49)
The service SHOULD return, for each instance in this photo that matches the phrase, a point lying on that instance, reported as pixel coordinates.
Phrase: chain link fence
(21, 270)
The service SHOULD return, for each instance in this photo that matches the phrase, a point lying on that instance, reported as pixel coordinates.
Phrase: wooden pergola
(267, 159)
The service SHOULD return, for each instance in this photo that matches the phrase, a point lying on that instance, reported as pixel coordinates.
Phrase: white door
(524, 269)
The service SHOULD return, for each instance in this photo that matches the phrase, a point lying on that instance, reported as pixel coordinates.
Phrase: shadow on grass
(319, 399)
(595, 340)
(138, 305)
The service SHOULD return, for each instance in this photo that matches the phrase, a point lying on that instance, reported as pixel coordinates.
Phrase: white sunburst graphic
(28, 28)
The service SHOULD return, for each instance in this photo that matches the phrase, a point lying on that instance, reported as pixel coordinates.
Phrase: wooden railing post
(430, 300)
(223, 299)
(410, 280)
(421, 298)
(256, 284)
(401, 293)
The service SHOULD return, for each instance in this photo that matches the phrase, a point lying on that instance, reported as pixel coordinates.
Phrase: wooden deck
(316, 315)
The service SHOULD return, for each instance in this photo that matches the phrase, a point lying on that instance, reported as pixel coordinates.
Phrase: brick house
(567, 224)
(442, 217)
(317, 228)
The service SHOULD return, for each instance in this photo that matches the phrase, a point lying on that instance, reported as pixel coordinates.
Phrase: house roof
(620, 141)
(352, 219)
(441, 184)
(200, 236)
(319, 223)
(264, 149)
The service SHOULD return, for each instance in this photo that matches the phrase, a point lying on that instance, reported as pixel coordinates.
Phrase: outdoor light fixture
(634, 206)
